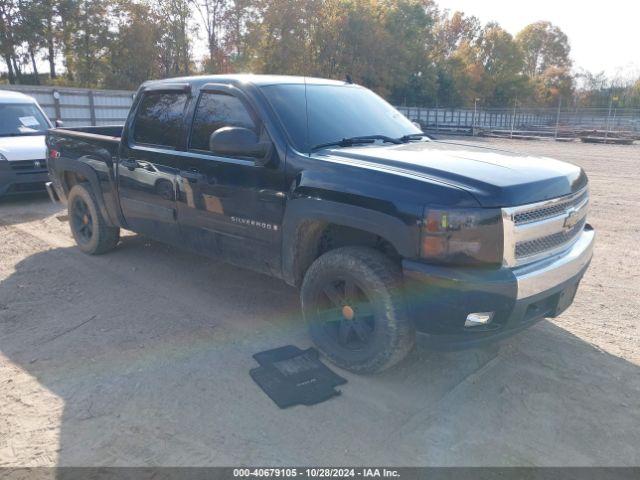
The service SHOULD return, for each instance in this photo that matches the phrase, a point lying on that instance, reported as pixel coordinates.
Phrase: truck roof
(7, 96)
(258, 80)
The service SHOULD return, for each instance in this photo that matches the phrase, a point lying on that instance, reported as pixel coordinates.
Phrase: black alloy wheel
(90, 230)
(353, 303)
(82, 220)
(348, 314)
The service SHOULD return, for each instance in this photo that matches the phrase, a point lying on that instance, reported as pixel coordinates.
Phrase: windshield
(335, 112)
(21, 119)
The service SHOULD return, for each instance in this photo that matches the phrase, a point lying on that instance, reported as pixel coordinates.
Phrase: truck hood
(23, 148)
(496, 178)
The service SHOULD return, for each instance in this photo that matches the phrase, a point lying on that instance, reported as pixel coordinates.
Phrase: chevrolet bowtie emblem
(573, 216)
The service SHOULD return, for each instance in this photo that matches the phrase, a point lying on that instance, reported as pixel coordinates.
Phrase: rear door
(227, 205)
(148, 165)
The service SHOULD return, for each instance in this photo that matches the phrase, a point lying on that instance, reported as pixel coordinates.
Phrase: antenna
(349, 79)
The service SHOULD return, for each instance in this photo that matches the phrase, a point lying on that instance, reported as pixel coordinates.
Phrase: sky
(604, 35)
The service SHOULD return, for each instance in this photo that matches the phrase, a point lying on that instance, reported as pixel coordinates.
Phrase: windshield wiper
(349, 142)
(413, 136)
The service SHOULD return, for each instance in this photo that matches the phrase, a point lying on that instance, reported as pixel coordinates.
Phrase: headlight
(462, 237)
(3, 158)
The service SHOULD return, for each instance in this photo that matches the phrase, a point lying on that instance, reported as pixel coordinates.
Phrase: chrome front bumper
(440, 298)
(538, 277)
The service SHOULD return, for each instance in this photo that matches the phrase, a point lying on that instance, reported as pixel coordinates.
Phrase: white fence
(80, 106)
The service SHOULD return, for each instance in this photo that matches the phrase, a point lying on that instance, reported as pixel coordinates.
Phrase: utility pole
(513, 117)
(613, 121)
(558, 117)
(606, 133)
(475, 113)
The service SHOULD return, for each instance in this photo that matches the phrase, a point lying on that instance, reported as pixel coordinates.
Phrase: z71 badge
(254, 223)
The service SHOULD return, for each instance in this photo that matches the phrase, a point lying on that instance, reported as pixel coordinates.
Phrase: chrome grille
(538, 230)
(542, 212)
(550, 242)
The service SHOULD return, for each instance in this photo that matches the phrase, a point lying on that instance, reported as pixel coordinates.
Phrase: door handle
(191, 175)
(129, 163)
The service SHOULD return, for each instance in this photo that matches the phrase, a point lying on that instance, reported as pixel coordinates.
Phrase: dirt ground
(141, 357)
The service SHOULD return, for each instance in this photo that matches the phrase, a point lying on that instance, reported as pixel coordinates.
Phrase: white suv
(23, 124)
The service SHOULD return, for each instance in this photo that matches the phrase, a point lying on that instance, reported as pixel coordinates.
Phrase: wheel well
(316, 238)
(71, 178)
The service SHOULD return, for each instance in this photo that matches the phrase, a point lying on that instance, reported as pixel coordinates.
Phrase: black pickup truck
(323, 184)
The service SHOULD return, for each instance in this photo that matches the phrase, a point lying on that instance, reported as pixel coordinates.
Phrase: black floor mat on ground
(291, 376)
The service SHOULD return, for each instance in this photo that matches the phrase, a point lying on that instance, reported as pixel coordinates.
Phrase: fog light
(478, 318)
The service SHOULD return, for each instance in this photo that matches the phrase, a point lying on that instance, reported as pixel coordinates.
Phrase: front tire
(353, 304)
(90, 231)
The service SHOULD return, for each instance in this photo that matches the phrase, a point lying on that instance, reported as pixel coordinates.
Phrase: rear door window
(160, 118)
(214, 111)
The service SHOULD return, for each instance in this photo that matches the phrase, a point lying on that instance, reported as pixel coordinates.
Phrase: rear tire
(353, 304)
(90, 231)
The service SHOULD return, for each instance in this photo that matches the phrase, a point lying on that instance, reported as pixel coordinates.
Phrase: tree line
(410, 51)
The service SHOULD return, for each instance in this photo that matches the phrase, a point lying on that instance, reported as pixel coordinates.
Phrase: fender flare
(64, 165)
(302, 210)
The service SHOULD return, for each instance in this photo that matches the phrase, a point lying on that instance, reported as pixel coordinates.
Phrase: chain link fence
(611, 125)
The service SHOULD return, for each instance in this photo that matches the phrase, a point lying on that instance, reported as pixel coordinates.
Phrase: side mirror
(238, 142)
(59, 124)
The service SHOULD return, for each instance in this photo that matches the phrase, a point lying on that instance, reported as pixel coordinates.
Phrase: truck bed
(91, 154)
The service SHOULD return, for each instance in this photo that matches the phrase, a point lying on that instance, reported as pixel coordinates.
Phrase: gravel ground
(141, 357)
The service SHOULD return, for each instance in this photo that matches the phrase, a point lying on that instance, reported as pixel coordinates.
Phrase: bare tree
(214, 15)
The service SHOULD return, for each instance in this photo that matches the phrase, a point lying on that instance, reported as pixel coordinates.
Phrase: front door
(148, 165)
(231, 207)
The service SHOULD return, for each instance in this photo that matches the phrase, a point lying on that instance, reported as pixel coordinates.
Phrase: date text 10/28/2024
(316, 472)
